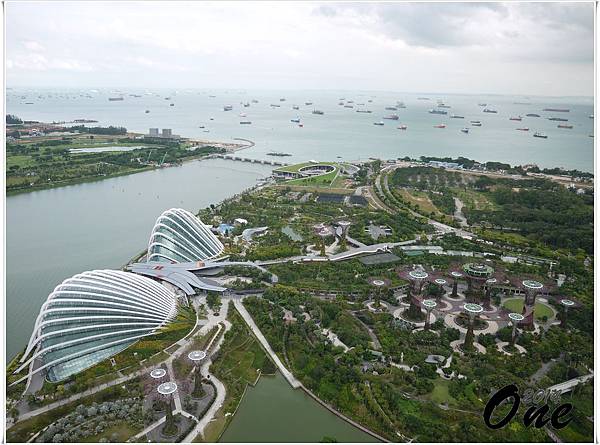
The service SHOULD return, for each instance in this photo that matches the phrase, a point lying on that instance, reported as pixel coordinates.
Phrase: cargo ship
(540, 135)
(565, 126)
(113, 99)
(317, 112)
(559, 119)
(559, 110)
(434, 111)
(465, 130)
(517, 118)
(282, 99)
(523, 129)
(476, 123)
(489, 110)
(393, 117)
(307, 103)
(245, 122)
(402, 127)
(363, 111)
(532, 115)
(456, 116)
(440, 126)
(380, 123)
(391, 108)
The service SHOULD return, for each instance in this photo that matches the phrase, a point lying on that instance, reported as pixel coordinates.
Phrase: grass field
(421, 200)
(440, 393)
(474, 200)
(516, 305)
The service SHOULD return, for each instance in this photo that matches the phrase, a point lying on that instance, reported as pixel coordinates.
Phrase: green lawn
(440, 393)
(516, 305)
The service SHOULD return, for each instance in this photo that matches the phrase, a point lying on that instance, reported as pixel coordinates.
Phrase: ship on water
(442, 105)
(559, 110)
(515, 118)
(245, 122)
(402, 127)
(565, 126)
(380, 123)
(113, 99)
(308, 103)
(523, 129)
(532, 115)
(393, 117)
(401, 105)
(227, 108)
(489, 110)
(391, 108)
(540, 135)
(465, 130)
(295, 121)
(440, 126)
(476, 123)
(434, 111)
(456, 116)
(317, 112)
(295, 107)
(559, 119)
(363, 111)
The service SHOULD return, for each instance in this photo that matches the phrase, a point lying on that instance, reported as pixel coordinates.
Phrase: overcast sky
(504, 48)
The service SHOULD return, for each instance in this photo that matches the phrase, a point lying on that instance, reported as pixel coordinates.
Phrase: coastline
(228, 146)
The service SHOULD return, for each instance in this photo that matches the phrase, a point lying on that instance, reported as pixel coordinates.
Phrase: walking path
(265, 344)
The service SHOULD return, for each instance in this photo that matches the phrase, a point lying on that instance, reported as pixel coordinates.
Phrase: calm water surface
(56, 233)
(274, 412)
(340, 132)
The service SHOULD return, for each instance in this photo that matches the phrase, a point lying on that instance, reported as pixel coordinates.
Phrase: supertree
(472, 310)
(531, 288)
(455, 275)
(379, 285)
(566, 304)
(476, 275)
(343, 225)
(515, 319)
(429, 305)
(167, 390)
(416, 279)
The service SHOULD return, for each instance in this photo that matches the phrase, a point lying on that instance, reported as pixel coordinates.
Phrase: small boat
(147, 111)
(295, 107)
(370, 100)
(559, 110)
(444, 106)
(317, 112)
(301, 125)
(275, 106)
(393, 117)
(254, 101)
(391, 108)
(380, 123)
(515, 118)
(402, 127)
(340, 103)
(489, 110)
(440, 126)
(246, 105)
(171, 105)
(401, 105)
(465, 130)
(523, 129)
(282, 99)
(242, 114)
(245, 122)
(559, 119)
(476, 123)
(434, 111)
(227, 108)
(482, 105)
(348, 106)
(540, 135)
(113, 99)
(167, 98)
(296, 120)
(201, 126)
(565, 126)
(456, 116)
(308, 103)
(591, 116)
(532, 115)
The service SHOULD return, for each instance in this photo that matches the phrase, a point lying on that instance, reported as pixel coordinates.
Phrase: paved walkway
(265, 344)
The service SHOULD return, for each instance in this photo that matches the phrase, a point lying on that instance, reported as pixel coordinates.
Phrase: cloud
(32, 45)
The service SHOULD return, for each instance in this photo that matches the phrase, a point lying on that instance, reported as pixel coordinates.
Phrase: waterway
(340, 133)
(53, 234)
(274, 412)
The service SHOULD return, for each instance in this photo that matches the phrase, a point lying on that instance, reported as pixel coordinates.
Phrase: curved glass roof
(179, 237)
(92, 316)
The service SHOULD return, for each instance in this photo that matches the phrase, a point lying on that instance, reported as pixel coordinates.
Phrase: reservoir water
(56, 233)
(340, 132)
(274, 412)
